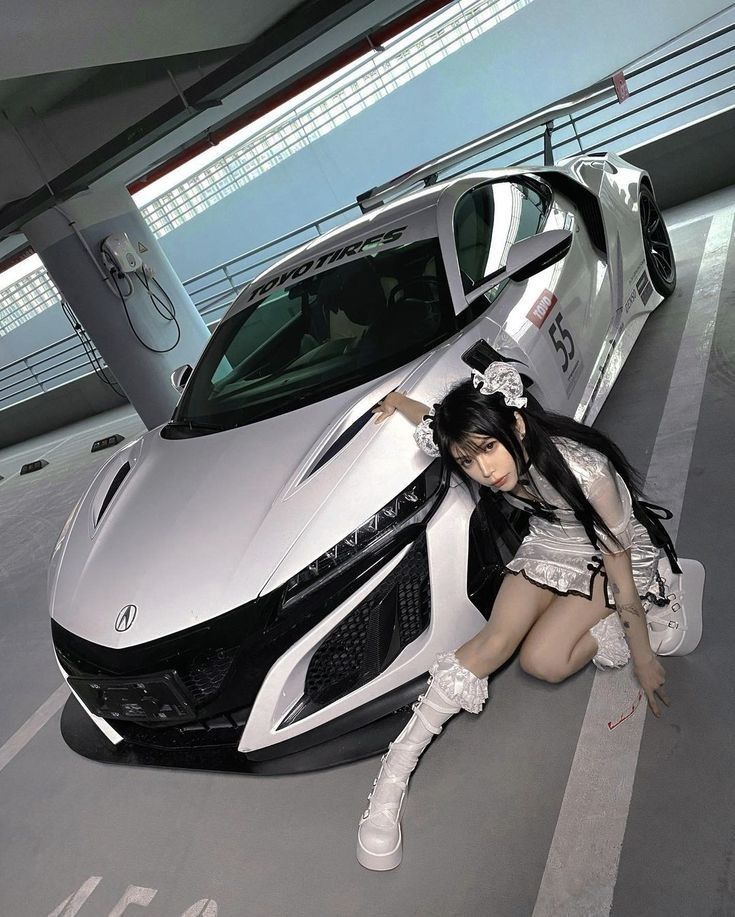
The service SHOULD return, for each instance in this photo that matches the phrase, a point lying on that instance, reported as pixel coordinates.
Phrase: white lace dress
(559, 555)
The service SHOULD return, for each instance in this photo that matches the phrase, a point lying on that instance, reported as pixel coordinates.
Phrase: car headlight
(413, 505)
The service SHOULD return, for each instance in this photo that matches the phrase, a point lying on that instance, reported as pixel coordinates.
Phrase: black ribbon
(650, 516)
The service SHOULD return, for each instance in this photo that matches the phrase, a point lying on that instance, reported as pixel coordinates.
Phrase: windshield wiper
(195, 425)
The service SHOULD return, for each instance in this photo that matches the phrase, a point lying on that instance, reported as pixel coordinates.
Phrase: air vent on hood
(339, 443)
(114, 486)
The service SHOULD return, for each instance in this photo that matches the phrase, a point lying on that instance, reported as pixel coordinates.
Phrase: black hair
(465, 412)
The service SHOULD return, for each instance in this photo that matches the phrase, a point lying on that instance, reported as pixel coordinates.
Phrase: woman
(593, 550)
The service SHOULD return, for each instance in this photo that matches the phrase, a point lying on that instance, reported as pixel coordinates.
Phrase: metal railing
(579, 128)
(29, 375)
(563, 119)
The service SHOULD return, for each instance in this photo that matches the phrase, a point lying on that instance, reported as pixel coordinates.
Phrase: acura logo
(126, 617)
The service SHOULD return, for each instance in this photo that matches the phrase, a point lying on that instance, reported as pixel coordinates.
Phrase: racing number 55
(567, 352)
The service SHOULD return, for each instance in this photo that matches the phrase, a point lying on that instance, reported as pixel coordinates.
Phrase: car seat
(355, 290)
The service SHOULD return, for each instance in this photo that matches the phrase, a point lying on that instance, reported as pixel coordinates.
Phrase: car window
(321, 335)
(487, 221)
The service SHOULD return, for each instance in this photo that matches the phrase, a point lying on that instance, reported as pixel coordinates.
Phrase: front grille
(373, 633)
(221, 663)
(215, 731)
(414, 598)
(205, 674)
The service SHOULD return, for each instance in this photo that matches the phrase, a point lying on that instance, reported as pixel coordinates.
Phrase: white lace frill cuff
(424, 436)
(612, 650)
(458, 683)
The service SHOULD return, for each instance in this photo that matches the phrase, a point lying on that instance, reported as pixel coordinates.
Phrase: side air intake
(122, 473)
(339, 443)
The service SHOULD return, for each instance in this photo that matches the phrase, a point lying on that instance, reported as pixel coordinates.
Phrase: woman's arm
(648, 670)
(397, 401)
(609, 496)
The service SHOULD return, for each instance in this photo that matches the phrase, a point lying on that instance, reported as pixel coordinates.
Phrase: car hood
(199, 526)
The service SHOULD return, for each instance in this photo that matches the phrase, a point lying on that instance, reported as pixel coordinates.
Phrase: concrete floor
(81, 837)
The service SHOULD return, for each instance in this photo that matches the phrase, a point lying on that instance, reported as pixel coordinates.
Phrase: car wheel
(656, 244)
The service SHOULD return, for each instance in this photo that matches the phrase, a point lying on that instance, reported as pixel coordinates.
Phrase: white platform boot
(673, 617)
(452, 688)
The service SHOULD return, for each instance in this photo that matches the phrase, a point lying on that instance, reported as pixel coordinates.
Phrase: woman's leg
(560, 642)
(457, 682)
(517, 607)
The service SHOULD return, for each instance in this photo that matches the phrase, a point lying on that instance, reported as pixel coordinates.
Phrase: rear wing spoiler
(428, 173)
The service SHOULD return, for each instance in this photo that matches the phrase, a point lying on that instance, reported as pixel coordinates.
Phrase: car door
(556, 321)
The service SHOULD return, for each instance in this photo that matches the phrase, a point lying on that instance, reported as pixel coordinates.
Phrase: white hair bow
(503, 378)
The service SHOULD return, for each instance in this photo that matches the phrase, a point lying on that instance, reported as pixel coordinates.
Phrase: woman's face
(489, 463)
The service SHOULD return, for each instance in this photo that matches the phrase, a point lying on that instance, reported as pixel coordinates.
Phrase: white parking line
(582, 865)
(18, 741)
(134, 894)
(682, 223)
(73, 904)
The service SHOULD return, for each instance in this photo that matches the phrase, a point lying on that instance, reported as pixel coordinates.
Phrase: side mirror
(180, 376)
(525, 258)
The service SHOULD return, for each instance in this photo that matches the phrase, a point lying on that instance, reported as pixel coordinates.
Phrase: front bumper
(184, 700)
(362, 733)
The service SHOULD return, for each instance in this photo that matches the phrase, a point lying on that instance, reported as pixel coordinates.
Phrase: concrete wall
(66, 404)
(690, 162)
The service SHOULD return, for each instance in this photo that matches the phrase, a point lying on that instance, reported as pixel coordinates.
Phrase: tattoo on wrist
(631, 607)
(615, 589)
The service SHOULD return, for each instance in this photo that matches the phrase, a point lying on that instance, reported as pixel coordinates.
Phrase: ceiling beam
(291, 34)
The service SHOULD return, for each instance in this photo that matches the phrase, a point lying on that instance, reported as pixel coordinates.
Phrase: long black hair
(465, 411)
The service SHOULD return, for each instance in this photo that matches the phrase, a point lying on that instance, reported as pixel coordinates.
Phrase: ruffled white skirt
(561, 558)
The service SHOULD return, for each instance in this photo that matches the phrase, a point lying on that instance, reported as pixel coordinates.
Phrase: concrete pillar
(68, 240)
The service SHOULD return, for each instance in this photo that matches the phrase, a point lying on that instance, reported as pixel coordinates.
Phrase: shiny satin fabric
(558, 555)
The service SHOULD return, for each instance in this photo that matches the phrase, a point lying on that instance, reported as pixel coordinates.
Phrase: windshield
(321, 335)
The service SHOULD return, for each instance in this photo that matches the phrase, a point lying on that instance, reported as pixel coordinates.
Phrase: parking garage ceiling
(92, 90)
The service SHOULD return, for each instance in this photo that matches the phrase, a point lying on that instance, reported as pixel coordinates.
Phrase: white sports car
(262, 583)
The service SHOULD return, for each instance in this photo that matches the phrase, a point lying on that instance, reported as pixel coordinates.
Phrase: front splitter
(83, 737)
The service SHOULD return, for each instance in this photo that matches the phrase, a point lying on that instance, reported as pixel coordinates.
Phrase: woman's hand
(652, 678)
(389, 405)
(399, 401)
(648, 670)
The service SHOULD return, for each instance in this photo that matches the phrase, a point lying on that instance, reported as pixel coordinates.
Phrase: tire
(656, 244)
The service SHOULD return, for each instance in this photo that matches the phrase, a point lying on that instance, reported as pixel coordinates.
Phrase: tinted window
(321, 335)
(487, 221)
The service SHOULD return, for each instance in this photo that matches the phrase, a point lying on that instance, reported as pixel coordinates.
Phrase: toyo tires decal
(541, 309)
(321, 262)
